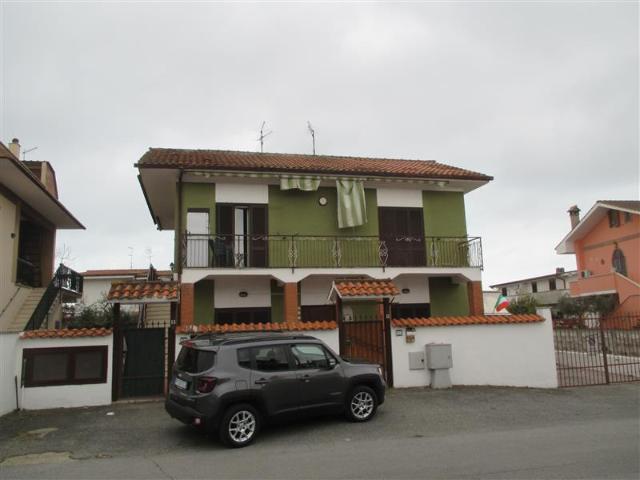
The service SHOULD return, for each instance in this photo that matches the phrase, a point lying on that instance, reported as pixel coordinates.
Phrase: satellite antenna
(313, 135)
(262, 136)
(24, 153)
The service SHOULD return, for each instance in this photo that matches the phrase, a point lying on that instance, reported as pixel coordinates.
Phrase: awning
(363, 289)
(141, 292)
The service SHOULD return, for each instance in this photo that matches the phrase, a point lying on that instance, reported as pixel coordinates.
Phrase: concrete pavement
(590, 432)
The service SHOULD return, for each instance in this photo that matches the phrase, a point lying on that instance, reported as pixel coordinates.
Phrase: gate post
(341, 343)
(603, 346)
(388, 354)
(116, 361)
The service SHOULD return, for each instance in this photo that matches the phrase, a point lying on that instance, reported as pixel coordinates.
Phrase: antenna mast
(262, 136)
(24, 154)
(313, 135)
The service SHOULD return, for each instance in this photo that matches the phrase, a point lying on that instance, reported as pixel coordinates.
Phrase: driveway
(470, 432)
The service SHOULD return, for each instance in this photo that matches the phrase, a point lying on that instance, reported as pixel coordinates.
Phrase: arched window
(618, 261)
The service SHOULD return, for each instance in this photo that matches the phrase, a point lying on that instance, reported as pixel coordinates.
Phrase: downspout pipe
(179, 234)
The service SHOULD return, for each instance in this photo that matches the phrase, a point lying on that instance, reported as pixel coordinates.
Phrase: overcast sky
(544, 97)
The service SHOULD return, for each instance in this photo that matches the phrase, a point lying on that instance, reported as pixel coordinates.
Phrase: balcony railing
(302, 251)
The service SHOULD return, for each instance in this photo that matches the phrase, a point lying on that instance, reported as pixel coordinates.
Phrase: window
(243, 315)
(192, 360)
(614, 218)
(272, 358)
(197, 238)
(244, 357)
(552, 284)
(410, 310)
(503, 291)
(627, 217)
(317, 313)
(241, 239)
(619, 262)
(534, 287)
(65, 366)
(309, 356)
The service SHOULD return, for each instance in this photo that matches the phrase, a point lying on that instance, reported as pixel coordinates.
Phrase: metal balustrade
(313, 251)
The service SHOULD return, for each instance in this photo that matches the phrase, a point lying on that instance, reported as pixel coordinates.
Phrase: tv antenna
(24, 153)
(313, 135)
(131, 257)
(149, 253)
(262, 136)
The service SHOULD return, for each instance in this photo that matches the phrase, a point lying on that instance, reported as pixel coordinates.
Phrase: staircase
(28, 307)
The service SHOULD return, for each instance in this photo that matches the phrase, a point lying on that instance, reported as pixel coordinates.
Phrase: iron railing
(312, 251)
(64, 281)
(595, 349)
(27, 273)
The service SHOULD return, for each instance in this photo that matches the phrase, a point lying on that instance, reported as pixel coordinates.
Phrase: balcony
(300, 251)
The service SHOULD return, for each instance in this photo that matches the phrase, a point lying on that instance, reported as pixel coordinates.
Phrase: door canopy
(145, 291)
(363, 290)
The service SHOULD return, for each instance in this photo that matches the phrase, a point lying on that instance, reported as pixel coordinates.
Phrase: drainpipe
(179, 228)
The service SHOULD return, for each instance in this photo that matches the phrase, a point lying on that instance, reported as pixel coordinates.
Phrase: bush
(522, 305)
(97, 315)
(577, 307)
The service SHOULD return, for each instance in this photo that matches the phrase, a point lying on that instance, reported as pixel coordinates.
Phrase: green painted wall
(447, 298)
(203, 302)
(277, 302)
(199, 195)
(296, 212)
(444, 214)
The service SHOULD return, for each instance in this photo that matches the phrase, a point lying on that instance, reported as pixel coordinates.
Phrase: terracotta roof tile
(366, 288)
(257, 327)
(298, 163)
(66, 333)
(143, 291)
(469, 320)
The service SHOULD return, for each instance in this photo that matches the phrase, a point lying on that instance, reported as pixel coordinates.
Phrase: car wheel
(240, 425)
(362, 404)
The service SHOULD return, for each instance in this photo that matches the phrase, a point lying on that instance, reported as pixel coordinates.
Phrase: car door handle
(261, 381)
(305, 378)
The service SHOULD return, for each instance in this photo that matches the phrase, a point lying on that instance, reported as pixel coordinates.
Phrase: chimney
(14, 147)
(559, 271)
(574, 216)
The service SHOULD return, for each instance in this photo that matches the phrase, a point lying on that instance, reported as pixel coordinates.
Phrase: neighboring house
(547, 290)
(31, 288)
(261, 237)
(606, 243)
(98, 282)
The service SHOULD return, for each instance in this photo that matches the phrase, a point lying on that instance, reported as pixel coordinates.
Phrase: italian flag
(501, 303)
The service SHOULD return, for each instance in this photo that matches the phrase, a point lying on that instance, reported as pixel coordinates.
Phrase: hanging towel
(352, 208)
(307, 184)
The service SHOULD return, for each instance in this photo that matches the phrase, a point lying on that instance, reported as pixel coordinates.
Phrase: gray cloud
(544, 97)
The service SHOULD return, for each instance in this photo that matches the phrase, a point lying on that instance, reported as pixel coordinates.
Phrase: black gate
(594, 350)
(142, 359)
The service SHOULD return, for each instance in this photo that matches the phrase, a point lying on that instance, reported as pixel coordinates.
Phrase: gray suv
(232, 384)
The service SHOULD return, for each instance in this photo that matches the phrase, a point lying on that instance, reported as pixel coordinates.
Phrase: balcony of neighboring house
(305, 251)
(605, 283)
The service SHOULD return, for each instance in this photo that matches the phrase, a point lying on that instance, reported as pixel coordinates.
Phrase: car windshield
(192, 360)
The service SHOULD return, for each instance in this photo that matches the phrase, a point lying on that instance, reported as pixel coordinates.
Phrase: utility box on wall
(438, 355)
(416, 361)
(439, 362)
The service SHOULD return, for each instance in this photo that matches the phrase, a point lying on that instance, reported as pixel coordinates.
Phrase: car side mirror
(332, 363)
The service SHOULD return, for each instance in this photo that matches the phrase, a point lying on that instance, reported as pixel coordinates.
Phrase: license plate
(180, 383)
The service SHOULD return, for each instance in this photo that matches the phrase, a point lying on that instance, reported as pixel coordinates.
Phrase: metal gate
(364, 340)
(593, 351)
(142, 359)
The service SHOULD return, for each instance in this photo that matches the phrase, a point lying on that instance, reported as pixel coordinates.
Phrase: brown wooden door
(402, 230)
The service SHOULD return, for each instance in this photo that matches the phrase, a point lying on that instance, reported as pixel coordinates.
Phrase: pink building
(606, 242)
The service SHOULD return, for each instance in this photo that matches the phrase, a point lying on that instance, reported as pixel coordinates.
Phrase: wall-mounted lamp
(243, 294)
(406, 290)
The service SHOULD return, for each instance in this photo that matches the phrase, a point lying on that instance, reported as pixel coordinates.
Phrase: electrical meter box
(438, 356)
(416, 361)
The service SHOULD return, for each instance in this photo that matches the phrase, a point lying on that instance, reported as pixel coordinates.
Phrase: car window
(271, 358)
(309, 356)
(244, 357)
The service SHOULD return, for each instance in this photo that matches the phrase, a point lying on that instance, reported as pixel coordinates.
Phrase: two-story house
(606, 243)
(547, 290)
(31, 289)
(261, 237)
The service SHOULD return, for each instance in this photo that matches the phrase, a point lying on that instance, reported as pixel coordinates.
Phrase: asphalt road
(589, 432)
